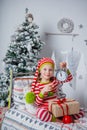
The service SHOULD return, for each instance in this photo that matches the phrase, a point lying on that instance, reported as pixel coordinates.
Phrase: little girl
(45, 86)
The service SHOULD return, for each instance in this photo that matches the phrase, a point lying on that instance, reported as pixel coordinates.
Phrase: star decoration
(85, 42)
(80, 26)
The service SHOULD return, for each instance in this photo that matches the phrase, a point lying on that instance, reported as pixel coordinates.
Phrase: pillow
(21, 85)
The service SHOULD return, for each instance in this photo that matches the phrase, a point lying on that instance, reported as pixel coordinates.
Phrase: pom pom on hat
(30, 97)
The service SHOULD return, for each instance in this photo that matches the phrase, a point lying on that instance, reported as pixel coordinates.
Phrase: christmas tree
(22, 54)
(3, 90)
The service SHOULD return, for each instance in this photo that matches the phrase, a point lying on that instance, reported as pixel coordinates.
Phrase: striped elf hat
(41, 62)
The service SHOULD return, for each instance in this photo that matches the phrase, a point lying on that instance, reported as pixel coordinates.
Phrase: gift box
(63, 107)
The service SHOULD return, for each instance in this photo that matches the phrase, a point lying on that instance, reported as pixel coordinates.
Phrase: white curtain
(73, 58)
(54, 59)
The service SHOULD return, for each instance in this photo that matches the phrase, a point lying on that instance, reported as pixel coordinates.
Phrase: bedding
(21, 85)
(20, 119)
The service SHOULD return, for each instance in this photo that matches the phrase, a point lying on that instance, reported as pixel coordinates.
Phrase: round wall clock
(65, 25)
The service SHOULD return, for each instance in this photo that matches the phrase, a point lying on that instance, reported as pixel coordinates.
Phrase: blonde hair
(47, 63)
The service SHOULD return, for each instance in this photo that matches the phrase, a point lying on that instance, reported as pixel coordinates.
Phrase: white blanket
(16, 119)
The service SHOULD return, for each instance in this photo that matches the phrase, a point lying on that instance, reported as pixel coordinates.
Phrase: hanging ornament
(29, 17)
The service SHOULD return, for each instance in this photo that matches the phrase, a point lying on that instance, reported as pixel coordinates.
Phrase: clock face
(61, 75)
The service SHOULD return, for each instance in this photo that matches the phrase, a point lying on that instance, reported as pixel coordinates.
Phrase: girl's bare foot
(76, 121)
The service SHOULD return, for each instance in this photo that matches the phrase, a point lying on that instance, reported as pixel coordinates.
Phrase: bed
(18, 118)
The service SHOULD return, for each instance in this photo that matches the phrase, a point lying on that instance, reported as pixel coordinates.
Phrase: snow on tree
(23, 52)
(3, 90)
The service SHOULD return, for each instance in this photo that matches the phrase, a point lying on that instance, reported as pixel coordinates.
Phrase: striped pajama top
(39, 86)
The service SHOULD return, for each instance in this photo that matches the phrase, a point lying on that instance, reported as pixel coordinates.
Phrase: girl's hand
(63, 65)
(49, 87)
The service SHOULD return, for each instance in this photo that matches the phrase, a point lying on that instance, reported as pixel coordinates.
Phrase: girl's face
(47, 72)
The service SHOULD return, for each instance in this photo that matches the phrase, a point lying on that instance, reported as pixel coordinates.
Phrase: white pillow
(21, 85)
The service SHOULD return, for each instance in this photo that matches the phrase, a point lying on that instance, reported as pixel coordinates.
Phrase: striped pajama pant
(45, 115)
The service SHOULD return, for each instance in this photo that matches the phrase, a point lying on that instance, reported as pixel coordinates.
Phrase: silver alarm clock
(61, 74)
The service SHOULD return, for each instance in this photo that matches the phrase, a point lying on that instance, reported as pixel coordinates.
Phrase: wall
(47, 13)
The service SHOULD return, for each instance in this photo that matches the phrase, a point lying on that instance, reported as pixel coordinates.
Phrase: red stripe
(77, 116)
(82, 113)
(45, 115)
(39, 100)
(49, 118)
(18, 89)
(41, 113)
(36, 92)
